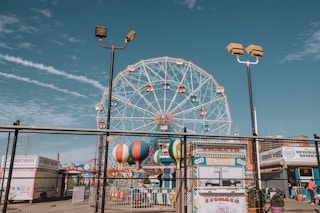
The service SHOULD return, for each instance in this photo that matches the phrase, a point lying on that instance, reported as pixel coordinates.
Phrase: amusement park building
(278, 141)
(284, 159)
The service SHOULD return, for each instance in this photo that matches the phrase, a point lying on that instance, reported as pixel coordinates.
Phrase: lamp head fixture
(235, 49)
(255, 50)
(131, 35)
(101, 32)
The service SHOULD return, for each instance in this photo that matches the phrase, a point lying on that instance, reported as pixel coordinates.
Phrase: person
(294, 188)
(290, 186)
(311, 188)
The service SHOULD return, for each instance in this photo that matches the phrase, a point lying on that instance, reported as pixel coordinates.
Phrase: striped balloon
(157, 155)
(138, 151)
(175, 150)
(121, 154)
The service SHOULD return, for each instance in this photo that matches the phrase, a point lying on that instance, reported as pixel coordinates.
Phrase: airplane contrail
(51, 86)
(52, 70)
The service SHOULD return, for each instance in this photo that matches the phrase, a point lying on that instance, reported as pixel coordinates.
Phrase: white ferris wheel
(166, 95)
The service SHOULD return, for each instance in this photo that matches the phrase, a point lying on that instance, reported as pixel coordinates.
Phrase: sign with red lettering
(31, 161)
(219, 203)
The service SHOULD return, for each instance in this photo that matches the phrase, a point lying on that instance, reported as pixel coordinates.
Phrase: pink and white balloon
(121, 154)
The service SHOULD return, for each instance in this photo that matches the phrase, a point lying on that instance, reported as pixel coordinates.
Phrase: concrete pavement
(291, 205)
(65, 206)
(294, 206)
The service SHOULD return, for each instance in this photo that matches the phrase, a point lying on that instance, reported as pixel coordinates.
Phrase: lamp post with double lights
(101, 32)
(100, 125)
(257, 52)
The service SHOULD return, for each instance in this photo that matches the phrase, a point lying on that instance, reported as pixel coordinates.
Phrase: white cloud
(27, 29)
(37, 112)
(191, 4)
(57, 42)
(310, 47)
(44, 12)
(51, 86)
(70, 38)
(25, 45)
(5, 46)
(7, 20)
(10, 24)
(52, 70)
(312, 44)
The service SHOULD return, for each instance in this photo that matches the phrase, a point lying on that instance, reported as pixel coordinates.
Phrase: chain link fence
(64, 170)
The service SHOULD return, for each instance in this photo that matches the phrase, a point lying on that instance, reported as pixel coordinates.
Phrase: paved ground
(66, 206)
(291, 205)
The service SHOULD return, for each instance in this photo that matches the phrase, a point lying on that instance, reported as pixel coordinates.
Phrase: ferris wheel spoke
(187, 98)
(184, 74)
(151, 84)
(137, 91)
(134, 106)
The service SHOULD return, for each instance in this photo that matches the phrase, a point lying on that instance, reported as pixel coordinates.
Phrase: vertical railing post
(4, 166)
(13, 153)
(185, 171)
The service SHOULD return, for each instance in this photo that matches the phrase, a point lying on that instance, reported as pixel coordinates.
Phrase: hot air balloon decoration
(138, 151)
(175, 151)
(121, 154)
(157, 155)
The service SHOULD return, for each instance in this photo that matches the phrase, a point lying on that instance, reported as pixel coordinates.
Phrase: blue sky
(53, 71)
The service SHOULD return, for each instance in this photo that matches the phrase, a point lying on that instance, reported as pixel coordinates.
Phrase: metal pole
(179, 183)
(317, 151)
(99, 171)
(5, 166)
(253, 145)
(185, 170)
(13, 153)
(108, 128)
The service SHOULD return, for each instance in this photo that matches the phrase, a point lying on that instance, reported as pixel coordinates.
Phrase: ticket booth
(218, 172)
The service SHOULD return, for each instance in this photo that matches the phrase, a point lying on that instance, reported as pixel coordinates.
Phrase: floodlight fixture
(131, 35)
(235, 49)
(255, 50)
(101, 32)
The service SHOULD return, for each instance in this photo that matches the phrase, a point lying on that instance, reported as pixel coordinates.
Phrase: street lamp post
(101, 32)
(256, 51)
(100, 125)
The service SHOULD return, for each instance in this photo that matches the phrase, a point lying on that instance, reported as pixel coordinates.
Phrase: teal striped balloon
(157, 155)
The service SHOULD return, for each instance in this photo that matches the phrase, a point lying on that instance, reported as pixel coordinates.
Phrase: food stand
(218, 171)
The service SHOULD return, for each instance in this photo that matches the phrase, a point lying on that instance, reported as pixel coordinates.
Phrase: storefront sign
(219, 161)
(290, 154)
(299, 153)
(219, 151)
(220, 204)
(274, 154)
(31, 161)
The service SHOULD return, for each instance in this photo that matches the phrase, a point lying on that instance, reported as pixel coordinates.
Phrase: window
(220, 176)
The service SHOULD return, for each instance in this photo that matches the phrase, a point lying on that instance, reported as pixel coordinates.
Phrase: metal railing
(51, 142)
